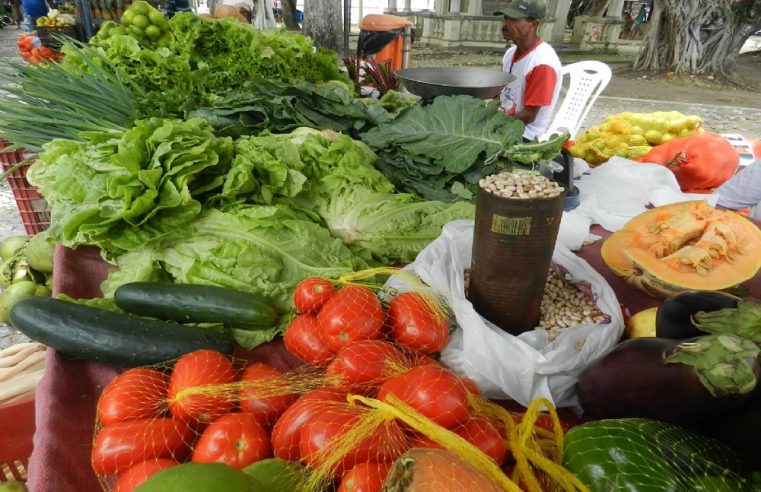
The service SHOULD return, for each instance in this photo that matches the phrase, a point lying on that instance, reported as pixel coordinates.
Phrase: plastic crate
(16, 433)
(47, 35)
(32, 207)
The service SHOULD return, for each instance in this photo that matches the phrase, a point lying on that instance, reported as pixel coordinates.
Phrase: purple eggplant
(635, 379)
(674, 316)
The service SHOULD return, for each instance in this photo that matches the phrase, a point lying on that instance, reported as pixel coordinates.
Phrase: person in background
(33, 9)
(18, 18)
(637, 27)
(532, 96)
(743, 190)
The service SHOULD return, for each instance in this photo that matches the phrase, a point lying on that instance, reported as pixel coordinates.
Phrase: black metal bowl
(430, 82)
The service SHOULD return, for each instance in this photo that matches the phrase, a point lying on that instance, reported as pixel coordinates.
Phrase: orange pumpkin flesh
(683, 246)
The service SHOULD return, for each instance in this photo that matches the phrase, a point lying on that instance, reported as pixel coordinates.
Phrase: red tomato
(134, 394)
(302, 339)
(326, 430)
(25, 43)
(366, 364)
(471, 386)
(365, 477)
(431, 390)
(139, 473)
(286, 434)
(418, 440)
(268, 395)
(416, 325)
(352, 314)
(311, 294)
(188, 399)
(485, 436)
(236, 439)
(121, 445)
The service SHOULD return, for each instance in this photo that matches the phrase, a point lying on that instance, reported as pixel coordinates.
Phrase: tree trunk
(289, 15)
(323, 23)
(698, 36)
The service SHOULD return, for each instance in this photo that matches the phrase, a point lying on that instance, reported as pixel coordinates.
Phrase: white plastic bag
(504, 366)
(615, 192)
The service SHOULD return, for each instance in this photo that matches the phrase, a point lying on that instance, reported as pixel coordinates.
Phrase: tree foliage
(698, 36)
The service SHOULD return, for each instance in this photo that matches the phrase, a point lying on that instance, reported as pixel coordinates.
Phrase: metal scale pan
(430, 82)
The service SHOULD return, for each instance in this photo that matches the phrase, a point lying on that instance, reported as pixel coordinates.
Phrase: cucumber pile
(158, 322)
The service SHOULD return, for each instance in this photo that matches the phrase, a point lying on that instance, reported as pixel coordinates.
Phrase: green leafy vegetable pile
(118, 192)
(235, 53)
(170, 201)
(279, 107)
(440, 151)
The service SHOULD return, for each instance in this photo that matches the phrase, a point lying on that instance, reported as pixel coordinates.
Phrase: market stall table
(67, 395)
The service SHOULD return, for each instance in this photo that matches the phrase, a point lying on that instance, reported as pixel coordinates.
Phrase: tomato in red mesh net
(367, 363)
(235, 439)
(121, 445)
(302, 339)
(323, 436)
(311, 294)
(136, 393)
(139, 473)
(286, 434)
(365, 477)
(471, 386)
(265, 393)
(415, 323)
(354, 313)
(431, 390)
(484, 435)
(193, 391)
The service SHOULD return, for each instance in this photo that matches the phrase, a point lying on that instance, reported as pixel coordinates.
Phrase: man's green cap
(521, 9)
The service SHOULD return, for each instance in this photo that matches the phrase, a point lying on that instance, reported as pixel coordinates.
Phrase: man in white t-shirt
(532, 96)
(743, 190)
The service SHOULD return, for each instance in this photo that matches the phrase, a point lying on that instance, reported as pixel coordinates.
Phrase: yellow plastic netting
(156, 417)
(632, 135)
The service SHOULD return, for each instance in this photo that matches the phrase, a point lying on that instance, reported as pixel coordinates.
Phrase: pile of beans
(563, 304)
(520, 185)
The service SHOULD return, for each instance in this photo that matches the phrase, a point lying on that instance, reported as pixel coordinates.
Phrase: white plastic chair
(587, 79)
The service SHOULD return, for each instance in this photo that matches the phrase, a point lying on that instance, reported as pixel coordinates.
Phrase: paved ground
(721, 118)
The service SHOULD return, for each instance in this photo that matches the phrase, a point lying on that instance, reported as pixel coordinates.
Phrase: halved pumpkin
(684, 246)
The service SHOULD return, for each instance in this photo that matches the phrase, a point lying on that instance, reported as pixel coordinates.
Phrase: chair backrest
(587, 79)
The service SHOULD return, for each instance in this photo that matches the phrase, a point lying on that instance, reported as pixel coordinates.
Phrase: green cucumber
(192, 303)
(90, 333)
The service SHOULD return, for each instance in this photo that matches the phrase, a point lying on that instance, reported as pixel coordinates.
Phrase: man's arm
(527, 114)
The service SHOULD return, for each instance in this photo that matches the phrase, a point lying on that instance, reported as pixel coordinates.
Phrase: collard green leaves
(441, 150)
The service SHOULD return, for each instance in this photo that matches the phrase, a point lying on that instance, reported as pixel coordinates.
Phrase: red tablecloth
(67, 394)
